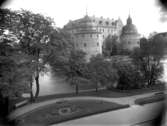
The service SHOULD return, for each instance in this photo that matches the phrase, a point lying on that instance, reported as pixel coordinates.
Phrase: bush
(101, 72)
(129, 76)
(147, 100)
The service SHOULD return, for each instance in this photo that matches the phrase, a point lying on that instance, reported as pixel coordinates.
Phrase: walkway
(30, 107)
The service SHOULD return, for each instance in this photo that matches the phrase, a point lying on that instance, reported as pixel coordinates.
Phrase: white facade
(89, 33)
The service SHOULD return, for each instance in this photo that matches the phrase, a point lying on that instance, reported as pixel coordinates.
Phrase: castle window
(97, 44)
(102, 30)
(97, 35)
(91, 35)
(84, 44)
(100, 22)
(107, 23)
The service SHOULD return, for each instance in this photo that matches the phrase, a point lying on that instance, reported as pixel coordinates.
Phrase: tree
(58, 48)
(14, 74)
(110, 46)
(101, 72)
(147, 58)
(71, 66)
(129, 76)
(33, 32)
(37, 39)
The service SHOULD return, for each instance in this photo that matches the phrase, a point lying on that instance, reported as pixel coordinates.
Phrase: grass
(113, 93)
(50, 114)
(151, 99)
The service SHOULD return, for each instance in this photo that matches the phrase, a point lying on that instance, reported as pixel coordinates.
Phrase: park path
(30, 107)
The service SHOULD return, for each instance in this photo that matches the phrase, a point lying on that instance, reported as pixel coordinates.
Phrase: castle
(90, 32)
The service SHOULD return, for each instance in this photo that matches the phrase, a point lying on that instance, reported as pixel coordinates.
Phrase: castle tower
(129, 37)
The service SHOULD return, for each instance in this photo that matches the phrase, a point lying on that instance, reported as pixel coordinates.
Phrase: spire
(129, 12)
(129, 20)
(86, 10)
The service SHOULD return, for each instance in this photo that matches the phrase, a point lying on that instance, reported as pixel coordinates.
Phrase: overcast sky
(145, 13)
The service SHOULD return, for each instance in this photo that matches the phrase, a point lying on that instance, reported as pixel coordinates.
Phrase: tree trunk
(6, 106)
(77, 89)
(152, 75)
(96, 87)
(37, 75)
(37, 85)
(32, 98)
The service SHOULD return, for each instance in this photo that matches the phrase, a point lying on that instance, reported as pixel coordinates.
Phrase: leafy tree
(101, 72)
(129, 76)
(33, 32)
(110, 46)
(147, 58)
(58, 48)
(71, 66)
(37, 39)
(14, 73)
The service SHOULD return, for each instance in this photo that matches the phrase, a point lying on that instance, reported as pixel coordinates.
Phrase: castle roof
(129, 28)
(91, 21)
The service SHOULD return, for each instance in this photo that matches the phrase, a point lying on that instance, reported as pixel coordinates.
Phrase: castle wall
(89, 33)
(129, 42)
(89, 43)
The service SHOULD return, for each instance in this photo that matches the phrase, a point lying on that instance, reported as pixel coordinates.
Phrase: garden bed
(67, 110)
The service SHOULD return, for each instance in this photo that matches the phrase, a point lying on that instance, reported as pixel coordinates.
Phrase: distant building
(89, 33)
(162, 36)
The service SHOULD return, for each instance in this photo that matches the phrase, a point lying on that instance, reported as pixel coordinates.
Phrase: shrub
(129, 76)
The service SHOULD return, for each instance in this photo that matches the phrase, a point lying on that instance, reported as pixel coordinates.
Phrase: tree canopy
(102, 72)
(110, 46)
(147, 58)
(36, 37)
(15, 74)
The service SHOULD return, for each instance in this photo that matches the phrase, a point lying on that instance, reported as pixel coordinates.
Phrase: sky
(145, 14)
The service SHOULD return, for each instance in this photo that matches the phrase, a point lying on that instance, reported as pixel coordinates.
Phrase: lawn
(114, 93)
(67, 110)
